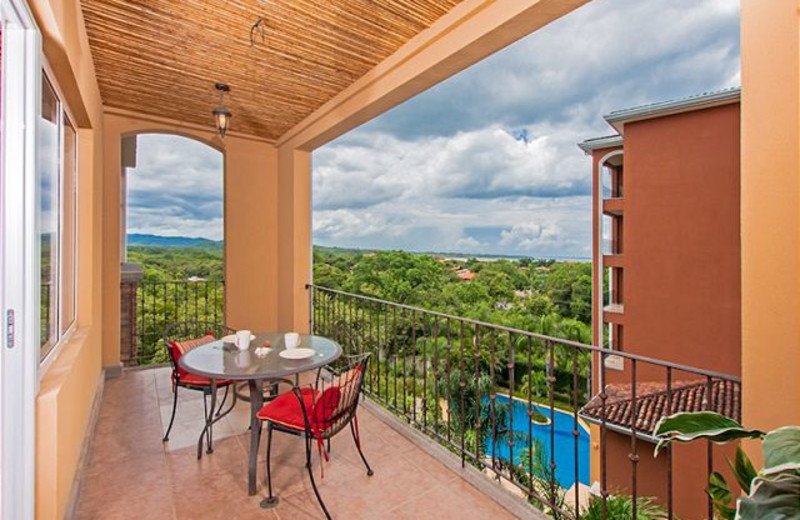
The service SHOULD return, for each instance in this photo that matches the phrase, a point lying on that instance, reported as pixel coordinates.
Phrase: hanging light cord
(259, 28)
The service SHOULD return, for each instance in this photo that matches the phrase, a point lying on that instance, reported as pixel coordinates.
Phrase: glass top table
(222, 361)
(218, 360)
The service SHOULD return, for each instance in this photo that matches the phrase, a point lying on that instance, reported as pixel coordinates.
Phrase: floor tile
(131, 474)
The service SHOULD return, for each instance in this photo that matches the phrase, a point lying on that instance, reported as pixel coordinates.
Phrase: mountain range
(135, 239)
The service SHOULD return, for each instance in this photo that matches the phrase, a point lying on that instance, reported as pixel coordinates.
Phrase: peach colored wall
(294, 228)
(770, 214)
(69, 384)
(682, 249)
(251, 235)
(251, 209)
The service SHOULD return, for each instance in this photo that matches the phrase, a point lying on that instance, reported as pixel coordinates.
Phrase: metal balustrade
(157, 304)
(515, 404)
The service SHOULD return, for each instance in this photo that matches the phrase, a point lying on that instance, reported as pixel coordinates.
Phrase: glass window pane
(606, 182)
(48, 158)
(607, 236)
(68, 226)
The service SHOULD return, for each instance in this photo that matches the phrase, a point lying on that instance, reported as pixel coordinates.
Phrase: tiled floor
(132, 475)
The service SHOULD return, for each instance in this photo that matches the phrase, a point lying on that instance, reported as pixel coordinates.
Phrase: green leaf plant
(773, 493)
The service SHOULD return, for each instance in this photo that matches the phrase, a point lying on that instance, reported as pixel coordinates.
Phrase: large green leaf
(772, 499)
(686, 427)
(781, 450)
(721, 495)
(743, 469)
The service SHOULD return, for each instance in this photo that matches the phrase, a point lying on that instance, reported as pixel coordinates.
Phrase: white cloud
(467, 244)
(484, 163)
(443, 171)
(176, 188)
(531, 236)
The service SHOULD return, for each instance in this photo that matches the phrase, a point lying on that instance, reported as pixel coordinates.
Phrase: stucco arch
(215, 143)
(250, 220)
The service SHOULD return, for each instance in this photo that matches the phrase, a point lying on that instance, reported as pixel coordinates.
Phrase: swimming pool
(564, 441)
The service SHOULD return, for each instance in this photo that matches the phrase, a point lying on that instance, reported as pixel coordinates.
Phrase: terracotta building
(667, 268)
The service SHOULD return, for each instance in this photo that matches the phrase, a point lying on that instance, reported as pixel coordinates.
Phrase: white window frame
(63, 109)
(19, 351)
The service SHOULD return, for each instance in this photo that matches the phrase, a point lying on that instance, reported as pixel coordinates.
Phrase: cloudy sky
(487, 161)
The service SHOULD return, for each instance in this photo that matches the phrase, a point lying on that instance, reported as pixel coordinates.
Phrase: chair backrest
(178, 343)
(337, 400)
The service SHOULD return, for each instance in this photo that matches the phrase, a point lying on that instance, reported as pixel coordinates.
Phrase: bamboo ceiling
(162, 57)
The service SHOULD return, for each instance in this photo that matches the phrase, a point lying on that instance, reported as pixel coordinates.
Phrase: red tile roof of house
(466, 275)
(652, 402)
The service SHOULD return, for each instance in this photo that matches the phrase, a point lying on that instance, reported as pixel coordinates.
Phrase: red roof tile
(652, 402)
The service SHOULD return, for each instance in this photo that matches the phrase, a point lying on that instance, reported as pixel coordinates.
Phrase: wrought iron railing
(158, 304)
(516, 404)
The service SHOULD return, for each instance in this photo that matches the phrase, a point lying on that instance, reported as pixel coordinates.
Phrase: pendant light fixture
(222, 115)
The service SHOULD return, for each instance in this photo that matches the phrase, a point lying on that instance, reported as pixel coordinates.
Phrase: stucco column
(294, 238)
(251, 246)
(112, 166)
(770, 214)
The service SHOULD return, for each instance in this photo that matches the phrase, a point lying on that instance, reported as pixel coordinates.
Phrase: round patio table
(223, 361)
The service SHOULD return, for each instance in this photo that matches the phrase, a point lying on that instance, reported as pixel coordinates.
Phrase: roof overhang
(624, 430)
(619, 118)
(600, 143)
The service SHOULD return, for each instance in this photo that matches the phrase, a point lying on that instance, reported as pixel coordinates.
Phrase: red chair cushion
(180, 348)
(285, 409)
(326, 406)
(323, 408)
(195, 380)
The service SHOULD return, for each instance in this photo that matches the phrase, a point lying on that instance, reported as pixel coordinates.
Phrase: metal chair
(184, 379)
(317, 413)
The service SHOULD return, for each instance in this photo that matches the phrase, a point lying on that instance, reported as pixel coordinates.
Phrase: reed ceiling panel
(162, 57)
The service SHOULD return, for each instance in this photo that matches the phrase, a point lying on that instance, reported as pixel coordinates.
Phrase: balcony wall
(770, 214)
(68, 385)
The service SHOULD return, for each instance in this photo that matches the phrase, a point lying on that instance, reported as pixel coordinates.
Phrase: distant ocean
(180, 241)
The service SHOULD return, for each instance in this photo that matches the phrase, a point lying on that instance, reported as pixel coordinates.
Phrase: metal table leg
(212, 416)
(256, 402)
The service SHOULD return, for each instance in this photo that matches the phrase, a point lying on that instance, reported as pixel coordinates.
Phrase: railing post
(131, 275)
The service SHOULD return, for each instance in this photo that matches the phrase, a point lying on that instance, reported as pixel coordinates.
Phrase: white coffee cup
(243, 339)
(243, 359)
(291, 340)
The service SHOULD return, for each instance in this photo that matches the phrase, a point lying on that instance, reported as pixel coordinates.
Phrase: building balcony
(614, 313)
(112, 75)
(423, 451)
(614, 206)
(614, 260)
(131, 474)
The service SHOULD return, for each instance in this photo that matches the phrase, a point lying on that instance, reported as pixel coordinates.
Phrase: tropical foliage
(180, 284)
(621, 506)
(773, 493)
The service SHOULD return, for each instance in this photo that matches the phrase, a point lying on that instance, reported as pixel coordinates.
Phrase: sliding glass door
(19, 260)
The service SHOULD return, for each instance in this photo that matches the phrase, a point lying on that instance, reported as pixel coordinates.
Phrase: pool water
(563, 424)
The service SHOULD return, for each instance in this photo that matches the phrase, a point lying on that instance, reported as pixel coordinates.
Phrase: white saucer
(297, 353)
(231, 338)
